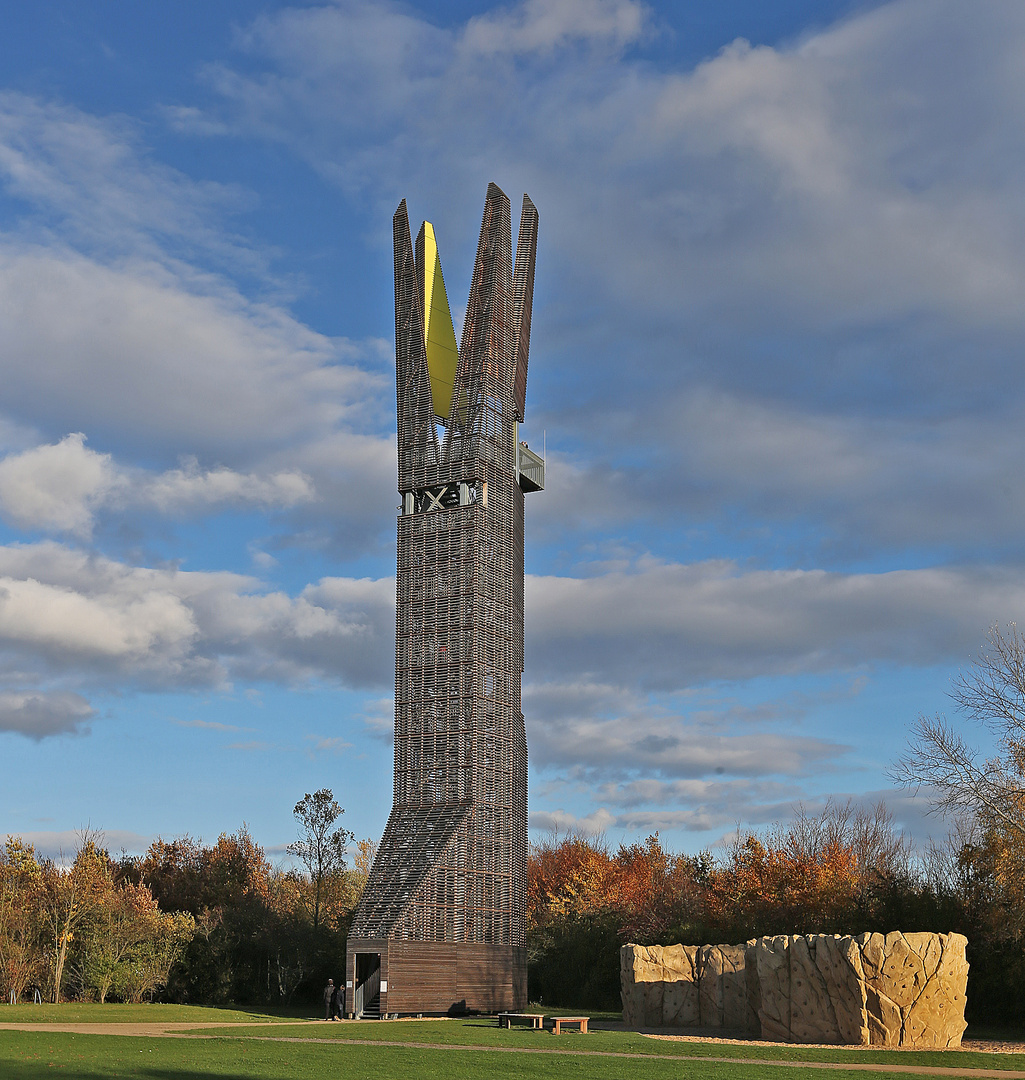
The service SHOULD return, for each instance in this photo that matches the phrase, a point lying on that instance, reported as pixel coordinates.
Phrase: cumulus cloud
(190, 487)
(872, 481)
(663, 746)
(70, 615)
(56, 487)
(669, 626)
(660, 626)
(656, 627)
(850, 483)
(717, 807)
(61, 487)
(693, 762)
(561, 821)
(128, 626)
(141, 361)
(209, 725)
(831, 168)
(325, 744)
(39, 715)
(113, 322)
(806, 253)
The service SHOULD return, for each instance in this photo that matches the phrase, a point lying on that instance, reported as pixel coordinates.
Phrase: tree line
(212, 924)
(217, 924)
(185, 922)
(842, 871)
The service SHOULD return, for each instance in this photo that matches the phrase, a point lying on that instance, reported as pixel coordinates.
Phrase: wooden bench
(535, 1020)
(579, 1021)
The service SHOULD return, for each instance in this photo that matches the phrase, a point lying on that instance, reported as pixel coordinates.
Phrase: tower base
(434, 977)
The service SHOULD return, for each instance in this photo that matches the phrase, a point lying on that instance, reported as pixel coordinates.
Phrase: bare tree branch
(991, 693)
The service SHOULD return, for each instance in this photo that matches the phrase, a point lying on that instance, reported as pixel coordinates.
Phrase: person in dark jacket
(330, 999)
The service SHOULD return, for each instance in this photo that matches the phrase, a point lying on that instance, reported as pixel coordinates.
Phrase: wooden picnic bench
(535, 1020)
(580, 1021)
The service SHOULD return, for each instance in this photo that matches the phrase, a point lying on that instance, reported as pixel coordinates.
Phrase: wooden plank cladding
(443, 977)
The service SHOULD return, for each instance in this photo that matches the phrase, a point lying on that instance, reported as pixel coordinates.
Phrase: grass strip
(485, 1032)
(32, 1055)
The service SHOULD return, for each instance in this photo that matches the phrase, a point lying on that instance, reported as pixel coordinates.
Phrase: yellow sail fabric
(439, 333)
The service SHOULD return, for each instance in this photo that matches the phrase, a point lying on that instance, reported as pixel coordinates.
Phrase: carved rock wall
(869, 990)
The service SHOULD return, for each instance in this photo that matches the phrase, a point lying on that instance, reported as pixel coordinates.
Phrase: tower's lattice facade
(442, 921)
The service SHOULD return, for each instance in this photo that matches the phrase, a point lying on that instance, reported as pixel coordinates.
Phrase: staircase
(368, 997)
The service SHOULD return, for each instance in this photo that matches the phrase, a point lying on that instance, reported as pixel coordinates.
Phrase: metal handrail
(369, 989)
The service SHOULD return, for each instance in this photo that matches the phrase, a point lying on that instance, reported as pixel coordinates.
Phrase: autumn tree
(129, 945)
(320, 846)
(69, 896)
(362, 861)
(22, 959)
(584, 900)
(815, 873)
(174, 872)
(160, 944)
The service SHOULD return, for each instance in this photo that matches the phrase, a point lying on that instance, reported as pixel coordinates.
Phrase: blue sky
(776, 360)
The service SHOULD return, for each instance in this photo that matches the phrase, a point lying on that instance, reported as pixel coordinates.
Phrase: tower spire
(417, 437)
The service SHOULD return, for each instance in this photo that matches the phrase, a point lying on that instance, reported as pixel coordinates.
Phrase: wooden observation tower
(441, 925)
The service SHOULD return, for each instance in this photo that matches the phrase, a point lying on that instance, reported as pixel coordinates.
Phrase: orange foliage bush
(645, 886)
(811, 874)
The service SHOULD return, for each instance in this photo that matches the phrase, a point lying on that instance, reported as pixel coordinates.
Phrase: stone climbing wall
(707, 986)
(869, 990)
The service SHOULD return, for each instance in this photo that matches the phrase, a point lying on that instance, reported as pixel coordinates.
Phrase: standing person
(330, 998)
(336, 1003)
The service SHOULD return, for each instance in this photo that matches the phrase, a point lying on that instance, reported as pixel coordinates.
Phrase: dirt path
(185, 1030)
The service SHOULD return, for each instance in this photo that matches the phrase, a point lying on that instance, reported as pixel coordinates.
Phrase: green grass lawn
(31, 1055)
(484, 1032)
(265, 1052)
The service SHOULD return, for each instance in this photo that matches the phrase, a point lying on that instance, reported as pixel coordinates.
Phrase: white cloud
(544, 25)
(725, 796)
(670, 626)
(594, 643)
(135, 357)
(862, 483)
(667, 747)
(91, 621)
(61, 487)
(57, 487)
(817, 240)
(696, 761)
(325, 744)
(109, 326)
(209, 725)
(189, 486)
(93, 175)
(561, 821)
(127, 625)
(39, 715)
(61, 845)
